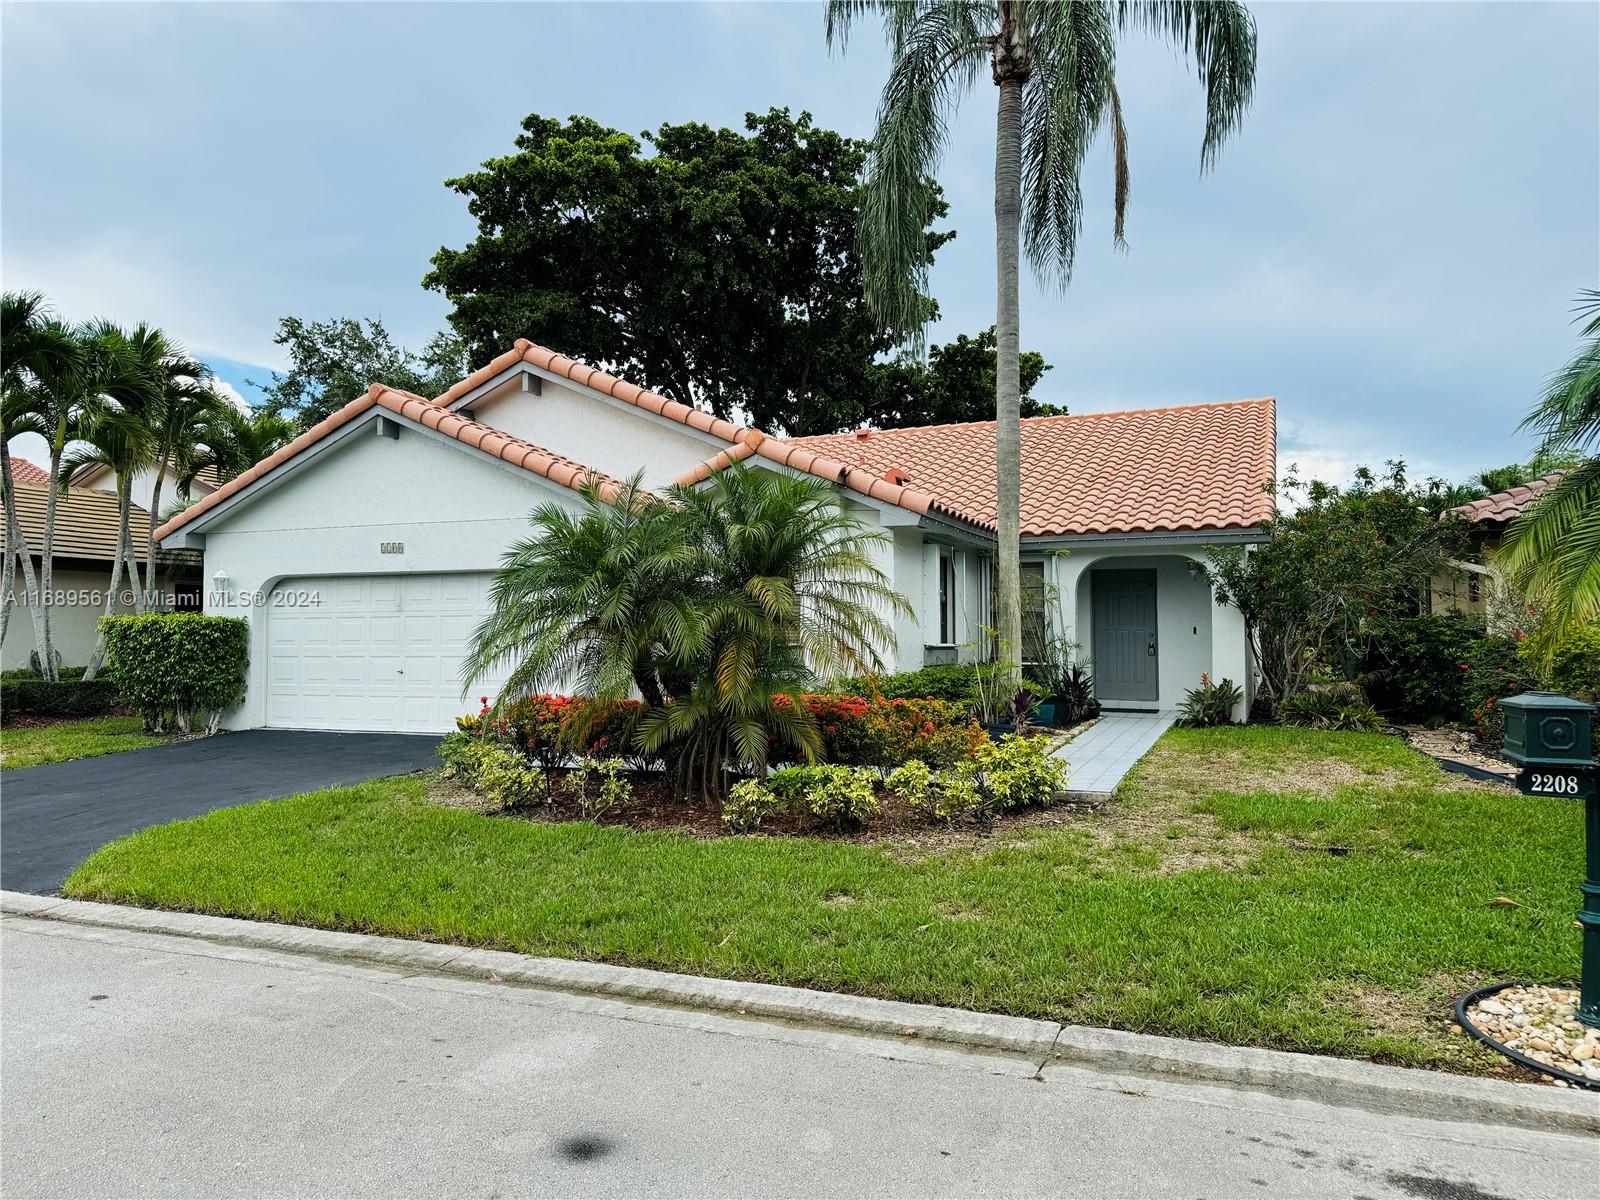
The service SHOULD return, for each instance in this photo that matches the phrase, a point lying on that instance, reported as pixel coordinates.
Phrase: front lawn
(29, 746)
(1314, 891)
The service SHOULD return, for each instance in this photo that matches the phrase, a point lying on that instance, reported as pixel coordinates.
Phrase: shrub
(1019, 771)
(941, 797)
(459, 751)
(25, 693)
(874, 732)
(1074, 695)
(599, 786)
(1575, 667)
(1210, 703)
(1339, 707)
(950, 682)
(508, 778)
(834, 798)
(912, 781)
(1492, 670)
(749, 803)
(182, 669)
(1413, 672)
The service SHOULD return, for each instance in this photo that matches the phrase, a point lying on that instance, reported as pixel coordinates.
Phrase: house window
(1035, 622)
(947, 598)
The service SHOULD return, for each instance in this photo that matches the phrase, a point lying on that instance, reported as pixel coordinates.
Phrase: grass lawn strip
(32, 746)
(1307, 891)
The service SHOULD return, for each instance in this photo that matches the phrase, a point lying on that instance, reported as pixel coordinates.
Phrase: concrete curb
(1344, 1082)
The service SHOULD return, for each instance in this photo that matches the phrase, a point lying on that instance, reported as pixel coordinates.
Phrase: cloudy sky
(1391, 246)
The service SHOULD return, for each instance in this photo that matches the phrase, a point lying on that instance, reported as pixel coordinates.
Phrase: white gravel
(1541, 1022)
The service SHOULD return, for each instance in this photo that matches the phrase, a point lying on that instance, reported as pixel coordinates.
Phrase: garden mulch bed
(658, 805)
(31, 721)
(1456, 745)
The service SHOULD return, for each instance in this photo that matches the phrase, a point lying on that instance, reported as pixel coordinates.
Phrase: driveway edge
(1342, 1082)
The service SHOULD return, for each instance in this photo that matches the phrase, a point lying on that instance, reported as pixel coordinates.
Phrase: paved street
(54, 816)
(145, 1065)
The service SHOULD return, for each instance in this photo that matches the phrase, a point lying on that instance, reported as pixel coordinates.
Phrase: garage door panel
(376, 652)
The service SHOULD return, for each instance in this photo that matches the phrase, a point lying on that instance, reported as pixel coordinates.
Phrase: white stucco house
(362, 552)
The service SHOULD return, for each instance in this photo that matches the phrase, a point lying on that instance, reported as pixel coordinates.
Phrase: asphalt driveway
(54, 816)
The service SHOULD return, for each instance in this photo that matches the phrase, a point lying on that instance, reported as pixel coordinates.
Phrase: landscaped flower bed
(890, 764)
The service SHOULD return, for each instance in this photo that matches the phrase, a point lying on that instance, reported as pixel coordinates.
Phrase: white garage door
(372, 652)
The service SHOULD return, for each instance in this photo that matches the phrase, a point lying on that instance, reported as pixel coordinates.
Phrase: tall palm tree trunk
(17, 552)
(118, 561)
(1007, 380)
(47, 653)
(155, 510)
(125, 544)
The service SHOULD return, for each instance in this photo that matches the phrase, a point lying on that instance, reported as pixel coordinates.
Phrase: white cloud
(230, 393)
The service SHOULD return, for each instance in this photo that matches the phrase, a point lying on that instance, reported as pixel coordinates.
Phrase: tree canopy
(332, 362)
(716, 266)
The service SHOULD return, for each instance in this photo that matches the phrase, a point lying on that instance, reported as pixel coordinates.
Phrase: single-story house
(85, 544)
(1475, 586)
(142, 488)
(362, 552)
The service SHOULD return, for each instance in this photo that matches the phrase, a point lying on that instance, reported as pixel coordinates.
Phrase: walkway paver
(1098, 758)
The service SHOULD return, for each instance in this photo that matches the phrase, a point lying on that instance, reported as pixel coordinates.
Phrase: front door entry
(1125, 650)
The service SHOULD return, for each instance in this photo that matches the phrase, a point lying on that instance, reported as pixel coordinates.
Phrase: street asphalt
(140, 1064)
(54, 816)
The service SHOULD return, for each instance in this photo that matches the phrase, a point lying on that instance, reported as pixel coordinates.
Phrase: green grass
(1204, 903)
(29, 747)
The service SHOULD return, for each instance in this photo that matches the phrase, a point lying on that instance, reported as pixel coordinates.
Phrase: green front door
(1124, 640)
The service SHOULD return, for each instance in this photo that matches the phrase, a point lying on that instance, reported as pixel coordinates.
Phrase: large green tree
(332, 362)
(1054, 67)
(954, 382)
(718, 266)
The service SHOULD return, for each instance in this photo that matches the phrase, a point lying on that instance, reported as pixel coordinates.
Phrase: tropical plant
(31, 347)
(718, 606)
(1055, 67)
(1340, 706)
(239, 440)
(599, 786)
(1212, 703)
(749, 803)
(1552, 550)
(186, 425)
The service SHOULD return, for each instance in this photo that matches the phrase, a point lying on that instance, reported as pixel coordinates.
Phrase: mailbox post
(1548, 738)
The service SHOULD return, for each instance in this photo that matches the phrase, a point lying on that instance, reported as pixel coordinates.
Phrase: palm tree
(1054, 64)
(183, 416)
(596, 603)
(30, 346)
(709, 602)
(1552, 551)
(787, 592)
(240, 440)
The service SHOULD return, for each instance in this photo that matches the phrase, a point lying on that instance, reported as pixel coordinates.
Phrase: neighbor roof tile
(1506, 505)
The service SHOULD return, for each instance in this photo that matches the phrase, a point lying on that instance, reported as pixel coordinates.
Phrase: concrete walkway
(1098, 758)
(138, 1064)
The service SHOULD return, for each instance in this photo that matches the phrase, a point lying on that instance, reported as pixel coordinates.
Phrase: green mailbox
(1547, 735)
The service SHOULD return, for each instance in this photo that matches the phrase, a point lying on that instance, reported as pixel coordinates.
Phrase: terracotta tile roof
(23, 471)
(86, 522)
(1200, 466)
(1503, 506)
(743, 442)
(429, 413)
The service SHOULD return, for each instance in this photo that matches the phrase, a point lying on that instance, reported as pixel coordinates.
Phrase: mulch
(657, 804)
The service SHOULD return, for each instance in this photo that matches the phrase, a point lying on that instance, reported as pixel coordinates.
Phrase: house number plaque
(391, 547)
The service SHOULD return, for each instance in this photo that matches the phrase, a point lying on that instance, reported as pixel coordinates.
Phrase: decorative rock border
(1548, 1039)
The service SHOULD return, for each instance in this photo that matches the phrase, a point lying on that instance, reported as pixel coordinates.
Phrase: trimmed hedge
(25, 693)
(180, 669)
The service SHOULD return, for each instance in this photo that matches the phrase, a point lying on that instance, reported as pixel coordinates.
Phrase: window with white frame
(947, 597)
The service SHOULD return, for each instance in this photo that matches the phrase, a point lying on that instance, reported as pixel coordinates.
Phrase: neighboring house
(85, 543)
(1476, 587)
(362, 552)
(103, 478)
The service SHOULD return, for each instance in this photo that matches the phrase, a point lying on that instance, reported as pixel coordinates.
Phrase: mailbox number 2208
(1555, 785)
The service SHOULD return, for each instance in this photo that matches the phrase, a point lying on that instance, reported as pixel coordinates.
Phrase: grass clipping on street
(1325, 892)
